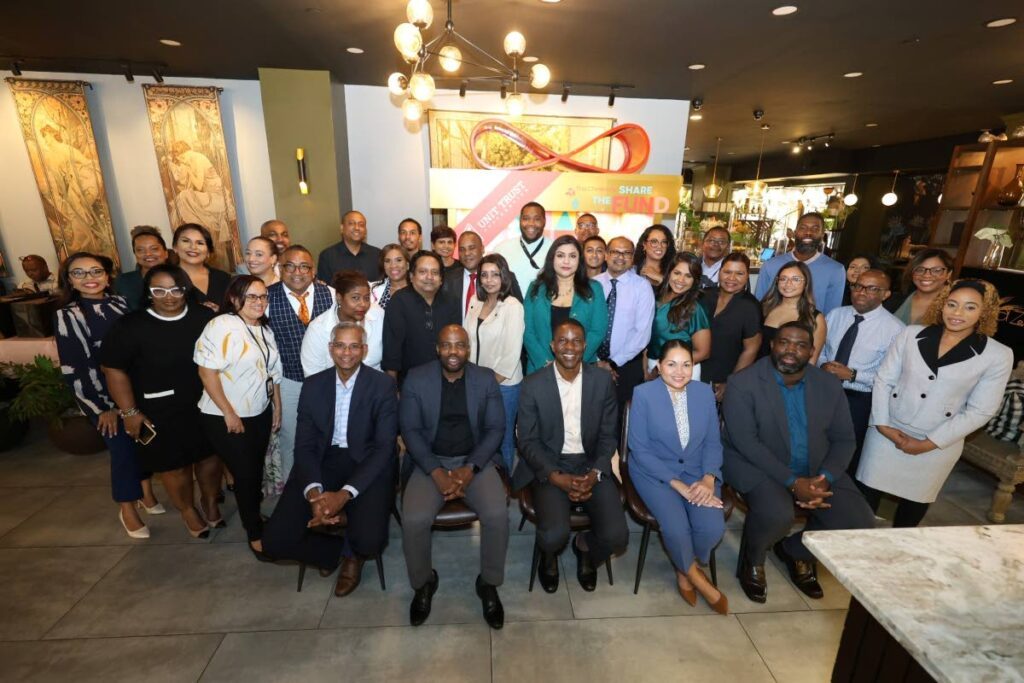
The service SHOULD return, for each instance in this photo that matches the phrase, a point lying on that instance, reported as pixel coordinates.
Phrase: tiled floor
(81, 601)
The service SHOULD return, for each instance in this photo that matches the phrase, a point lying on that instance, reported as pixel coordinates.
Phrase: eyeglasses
(342, 346)
(870, 289)
(254, 298)
(938, 270)
(796, 280)
(301, 267)
(161, 292)
(719, 241)
(81, 273)
(586, 224)
(624, 253)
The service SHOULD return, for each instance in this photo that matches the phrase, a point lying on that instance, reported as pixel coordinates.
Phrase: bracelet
(131, 412)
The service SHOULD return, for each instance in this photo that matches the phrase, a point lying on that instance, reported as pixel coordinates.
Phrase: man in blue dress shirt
(828, 276)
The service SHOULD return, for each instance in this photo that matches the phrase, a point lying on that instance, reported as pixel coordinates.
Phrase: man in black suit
(787, 440)
(453, 421)
(567, 436)
(352, 252)
(345, 461)
(460, 283)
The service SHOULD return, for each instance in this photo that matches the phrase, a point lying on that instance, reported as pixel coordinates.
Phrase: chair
(338, 530)
(638, 509)
(1005, 460)
(737, 502)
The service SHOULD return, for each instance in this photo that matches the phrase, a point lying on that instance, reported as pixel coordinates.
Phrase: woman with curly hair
(790, 298)
(655, 250)
(939, 382)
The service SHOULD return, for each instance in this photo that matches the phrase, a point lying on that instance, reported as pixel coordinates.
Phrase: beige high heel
(138, 533)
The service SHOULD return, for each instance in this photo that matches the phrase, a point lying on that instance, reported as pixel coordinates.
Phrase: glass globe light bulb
(450, 58)
(419, 13)
(412, 109)
(889, 198)
(421, 86)
(540, 76)
(850, 199)
(397, 83)
(515, 105)
(408, 41)
(515, 44)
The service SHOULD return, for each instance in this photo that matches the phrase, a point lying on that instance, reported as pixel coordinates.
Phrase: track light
(16, 68)
(157, 76)
(462, 89)
(565, 94)
(611, 98)
(128, 75)
(504, 91)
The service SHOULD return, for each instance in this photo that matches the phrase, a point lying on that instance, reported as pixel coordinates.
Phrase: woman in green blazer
(562, 291)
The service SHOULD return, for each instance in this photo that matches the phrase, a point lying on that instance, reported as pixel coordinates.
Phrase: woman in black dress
(735, 323)
(194, 246)
(147, 360)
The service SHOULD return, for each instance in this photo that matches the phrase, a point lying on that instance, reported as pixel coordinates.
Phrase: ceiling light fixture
(999, 23)
(784, 10)
(420, 85)
(853, 74)
(16, 68)
(530, 59)
(300, 159)
(355, 50)
(890, 198)
(611, 98)
(696, 67)
(128, 75)
(169, 42)
(157, 76)
(713, 190)
(1003, 81)
(851, 198)
(696, 117)
(551, 2)
(871, 125)
(565, 93)
(462, 88)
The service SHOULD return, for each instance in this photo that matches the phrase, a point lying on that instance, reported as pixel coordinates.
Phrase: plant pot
(77, 436)
(11, 431)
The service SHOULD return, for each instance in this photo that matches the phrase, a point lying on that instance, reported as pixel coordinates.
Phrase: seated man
(453, 421)
(345, 462)
(39, 279)
(567, 436)
(788, 438)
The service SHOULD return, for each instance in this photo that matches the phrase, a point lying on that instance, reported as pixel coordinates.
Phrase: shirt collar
(782, 383)
(562, 380)
(351, 380)
(306, 292)
(817, 255)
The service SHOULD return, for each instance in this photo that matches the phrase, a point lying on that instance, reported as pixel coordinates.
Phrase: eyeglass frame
(82, 273)
(937, 271)
(168, 291)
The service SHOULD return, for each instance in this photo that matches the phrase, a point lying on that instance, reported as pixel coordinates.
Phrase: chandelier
(448, 47)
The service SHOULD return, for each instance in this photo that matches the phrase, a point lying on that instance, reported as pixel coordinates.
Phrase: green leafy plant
(1000, 236)
(43, 392)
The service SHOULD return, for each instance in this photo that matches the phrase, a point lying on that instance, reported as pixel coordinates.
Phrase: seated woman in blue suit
(675, 461)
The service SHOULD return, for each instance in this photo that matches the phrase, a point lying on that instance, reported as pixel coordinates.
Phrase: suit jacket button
(680, 461)
(949, 414)
(924, 396)
(894, 395)
(931, 376)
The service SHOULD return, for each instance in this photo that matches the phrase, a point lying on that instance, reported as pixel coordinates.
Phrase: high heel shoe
(260, 555)
(157, 509)
(216, 523)
(721, 605)
(202, 533)
(689, 595)
(138, 533)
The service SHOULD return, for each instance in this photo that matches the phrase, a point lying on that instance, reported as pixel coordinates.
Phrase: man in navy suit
(345, 460)
(453, 421)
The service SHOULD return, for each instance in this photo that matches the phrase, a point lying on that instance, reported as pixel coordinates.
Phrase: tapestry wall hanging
(55, 123)
(189, 139)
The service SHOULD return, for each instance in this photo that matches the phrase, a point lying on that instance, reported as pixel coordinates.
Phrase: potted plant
(44, 394)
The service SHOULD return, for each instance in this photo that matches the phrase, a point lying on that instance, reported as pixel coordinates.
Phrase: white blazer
(943, 406)
(500, 335)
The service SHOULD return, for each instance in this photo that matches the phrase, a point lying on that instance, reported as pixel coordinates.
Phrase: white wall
(125, 146)
(390, 159)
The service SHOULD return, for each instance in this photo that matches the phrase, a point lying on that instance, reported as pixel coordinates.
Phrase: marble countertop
(953, 597)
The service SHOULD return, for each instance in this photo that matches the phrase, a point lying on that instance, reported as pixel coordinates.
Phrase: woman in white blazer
(496, 324)
(939, 382)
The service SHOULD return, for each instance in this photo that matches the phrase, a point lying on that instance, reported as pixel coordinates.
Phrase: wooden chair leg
(380, 573)
(522, 522)
(642, 557)
(302, 576)
(1001, 500)
(534, 564)
(608, 564)
(396, 514)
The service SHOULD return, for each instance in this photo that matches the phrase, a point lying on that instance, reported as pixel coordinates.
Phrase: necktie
(605, 350)
(303, 308)
(470, 291)
(846, 343)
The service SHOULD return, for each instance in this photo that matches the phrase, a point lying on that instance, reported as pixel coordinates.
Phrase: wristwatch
(598, 472)
(853, 375)
(476, 468)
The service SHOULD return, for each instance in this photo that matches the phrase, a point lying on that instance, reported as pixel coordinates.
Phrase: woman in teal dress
(561, 291)
(678, 313)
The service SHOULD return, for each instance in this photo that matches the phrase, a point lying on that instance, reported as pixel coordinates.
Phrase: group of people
(370, 370)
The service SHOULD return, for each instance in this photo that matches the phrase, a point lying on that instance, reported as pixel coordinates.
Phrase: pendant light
(890, 198)
(758, 187)
(713, 190)
(851, 198)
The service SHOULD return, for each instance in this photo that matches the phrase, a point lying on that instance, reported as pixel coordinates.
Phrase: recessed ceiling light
(853, 74)
(731, 153)
(876, 145)
(1003, 81)
(871, 125)
(785, 142)
(551, 2)
(686, 149)
(695, 67)
(531, 59)
(354, 50)
(784, 10)
(696, 117)
(169, 42)
(999, 23)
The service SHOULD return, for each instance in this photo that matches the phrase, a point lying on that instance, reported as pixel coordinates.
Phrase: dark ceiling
(928, 64)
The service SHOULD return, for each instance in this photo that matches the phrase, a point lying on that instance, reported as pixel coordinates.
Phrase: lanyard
(522, 245)
(264, 349)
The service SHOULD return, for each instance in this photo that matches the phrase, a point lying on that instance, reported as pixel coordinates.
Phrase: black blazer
(452, 285)
(216, 289)
(541, 430)
(372, 427)
(420, 409)
(756, 434)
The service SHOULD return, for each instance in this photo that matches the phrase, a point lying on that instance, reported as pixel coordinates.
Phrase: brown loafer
(349, 575)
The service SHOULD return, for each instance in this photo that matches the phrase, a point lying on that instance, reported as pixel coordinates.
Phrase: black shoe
(752, 581)
(419, 610)
(803, 573)
(494, 613)
(586, 572)
(260, 555)
(548, 572)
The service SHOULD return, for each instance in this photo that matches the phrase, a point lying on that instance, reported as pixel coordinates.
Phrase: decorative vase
(76, 436)
(994, 256)
(1010, 194)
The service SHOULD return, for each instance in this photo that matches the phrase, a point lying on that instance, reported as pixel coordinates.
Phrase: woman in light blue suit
(675, 461)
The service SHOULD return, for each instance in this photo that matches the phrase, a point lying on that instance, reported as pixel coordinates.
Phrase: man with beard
(788, 439)
(713, 249)
(276, 231)
(525, 254)
(453, 421)
(828, 277)
(410, 235)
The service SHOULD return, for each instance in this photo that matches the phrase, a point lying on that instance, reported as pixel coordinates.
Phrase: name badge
(270, 388)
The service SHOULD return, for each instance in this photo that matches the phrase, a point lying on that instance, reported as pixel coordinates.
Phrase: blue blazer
(593, 314)
(420, 409)
(372, 427)
(654, 448)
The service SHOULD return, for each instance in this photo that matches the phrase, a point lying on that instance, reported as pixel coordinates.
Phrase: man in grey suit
(787, 440)
(453, 420)
(567, 436)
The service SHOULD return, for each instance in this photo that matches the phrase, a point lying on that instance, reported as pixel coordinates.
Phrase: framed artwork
(55, 123)
(188, 136)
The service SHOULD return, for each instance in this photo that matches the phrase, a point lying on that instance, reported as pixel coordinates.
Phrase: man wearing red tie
(460, 280)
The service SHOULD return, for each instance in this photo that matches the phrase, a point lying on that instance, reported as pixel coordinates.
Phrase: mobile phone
(146, 434)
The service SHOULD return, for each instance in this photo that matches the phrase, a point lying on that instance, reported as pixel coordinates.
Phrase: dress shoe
(157, 509)
(721, 605)
(141, 532)
(419, 610)
(689, 594)
(325, 572)
(753, 581)
(349, 576)
(548, 572)
(258, 554)
(494, 613)
(586, 572)
(803, 573)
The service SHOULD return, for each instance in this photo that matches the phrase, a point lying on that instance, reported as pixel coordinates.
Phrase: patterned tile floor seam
(212, 655)
(754, 645)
